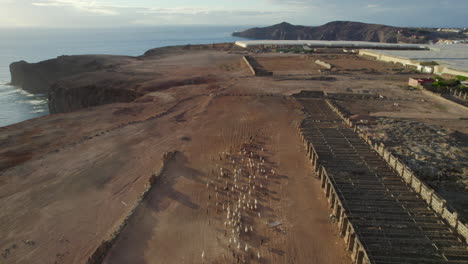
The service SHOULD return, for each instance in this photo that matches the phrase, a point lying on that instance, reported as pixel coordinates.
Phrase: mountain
(347, 30)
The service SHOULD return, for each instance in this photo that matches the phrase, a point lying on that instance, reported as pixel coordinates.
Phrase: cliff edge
(75, 82)
(38, 77)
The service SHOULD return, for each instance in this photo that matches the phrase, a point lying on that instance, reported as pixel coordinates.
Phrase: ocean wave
(34, 101)
(38, 111)
(8, 92)
(23, 92)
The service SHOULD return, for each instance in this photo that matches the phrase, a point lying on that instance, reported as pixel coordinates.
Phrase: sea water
(34, 45)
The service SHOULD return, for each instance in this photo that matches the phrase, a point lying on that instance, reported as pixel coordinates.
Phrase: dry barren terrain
(68, 181)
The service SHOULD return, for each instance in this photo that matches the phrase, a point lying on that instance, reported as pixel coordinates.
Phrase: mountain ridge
(347, 30)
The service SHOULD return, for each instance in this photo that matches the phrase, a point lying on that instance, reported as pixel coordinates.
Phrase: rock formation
(346, 30)
(74, 82)
(38, 77)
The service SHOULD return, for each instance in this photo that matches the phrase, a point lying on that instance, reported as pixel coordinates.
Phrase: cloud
(112, 13)
(82, 5)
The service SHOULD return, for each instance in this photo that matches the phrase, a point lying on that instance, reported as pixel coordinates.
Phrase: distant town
(453, 30)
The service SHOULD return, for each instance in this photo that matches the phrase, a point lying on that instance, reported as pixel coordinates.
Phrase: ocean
(34, 45)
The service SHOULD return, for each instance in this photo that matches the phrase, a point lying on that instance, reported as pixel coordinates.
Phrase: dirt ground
(182, 194)
(353, 62)
(67, 181)
(288, 65)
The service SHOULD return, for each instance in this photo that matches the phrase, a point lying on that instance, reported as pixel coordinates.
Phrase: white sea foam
(36, 102)
(7, 92)
(23, 92)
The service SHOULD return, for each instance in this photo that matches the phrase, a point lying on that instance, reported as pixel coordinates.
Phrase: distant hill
(347, 30)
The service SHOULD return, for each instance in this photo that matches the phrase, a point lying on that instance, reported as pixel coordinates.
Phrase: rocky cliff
(38, 77)
(81, 91)
(75, 82)
(346, 30)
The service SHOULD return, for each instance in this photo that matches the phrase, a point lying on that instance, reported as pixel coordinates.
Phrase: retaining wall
(251, 68)
(443, 99)
(438, 69)
(255, 68)
(101, 251)
(387, 58)
(441, 69)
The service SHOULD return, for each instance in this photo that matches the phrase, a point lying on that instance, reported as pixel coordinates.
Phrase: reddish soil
(182, 211)
(352, 62)
(75, 177)
(288, 64)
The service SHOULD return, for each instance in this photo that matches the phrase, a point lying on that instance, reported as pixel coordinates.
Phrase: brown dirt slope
(68, 180)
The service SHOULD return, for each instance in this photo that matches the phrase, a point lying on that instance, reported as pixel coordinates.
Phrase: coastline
(80, 171)
(22, 44)
(17, 105)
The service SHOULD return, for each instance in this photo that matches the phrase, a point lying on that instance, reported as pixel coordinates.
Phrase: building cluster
(420, 82)
(452, 41)
(453, 30)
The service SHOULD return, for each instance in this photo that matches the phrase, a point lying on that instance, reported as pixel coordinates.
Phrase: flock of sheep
(235, 194)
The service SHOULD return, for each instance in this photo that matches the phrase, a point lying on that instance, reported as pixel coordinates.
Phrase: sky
(120, 13)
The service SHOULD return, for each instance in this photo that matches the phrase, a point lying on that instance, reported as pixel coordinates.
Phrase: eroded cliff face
(38, 77)
(76, 82)
(70, 95)
(68, 87)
